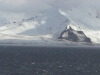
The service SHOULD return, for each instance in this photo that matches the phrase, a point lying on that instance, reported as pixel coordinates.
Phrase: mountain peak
(74, 35)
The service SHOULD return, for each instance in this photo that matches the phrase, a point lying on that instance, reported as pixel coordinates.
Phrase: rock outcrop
(74, 35)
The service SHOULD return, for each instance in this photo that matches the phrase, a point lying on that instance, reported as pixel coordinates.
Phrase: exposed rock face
(73, 35)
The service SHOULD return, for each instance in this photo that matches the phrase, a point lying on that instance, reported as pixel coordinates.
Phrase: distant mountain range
(55, 24)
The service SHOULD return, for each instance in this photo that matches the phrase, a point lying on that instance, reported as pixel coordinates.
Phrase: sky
(13, 9)
(24, 8)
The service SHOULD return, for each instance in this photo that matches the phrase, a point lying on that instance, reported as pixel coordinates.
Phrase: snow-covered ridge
(52, 23)
(86, 26)
(46, 25)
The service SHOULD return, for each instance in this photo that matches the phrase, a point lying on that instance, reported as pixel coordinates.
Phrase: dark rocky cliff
(75, 36)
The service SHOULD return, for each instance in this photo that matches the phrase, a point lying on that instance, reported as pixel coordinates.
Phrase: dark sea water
(49, 61)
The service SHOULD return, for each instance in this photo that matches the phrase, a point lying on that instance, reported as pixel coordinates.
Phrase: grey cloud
(26, 6)
(33, 7)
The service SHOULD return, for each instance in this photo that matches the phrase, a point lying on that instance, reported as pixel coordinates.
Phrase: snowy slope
(52, 23)
(85, 21)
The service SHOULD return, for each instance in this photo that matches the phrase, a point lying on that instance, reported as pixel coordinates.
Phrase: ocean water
(49, 61)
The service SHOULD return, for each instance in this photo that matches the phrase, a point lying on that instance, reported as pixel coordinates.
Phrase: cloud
(28, 6)
(25, 6)
(13, 8)
(33, 7)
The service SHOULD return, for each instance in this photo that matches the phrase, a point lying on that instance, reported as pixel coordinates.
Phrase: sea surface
(16, 60)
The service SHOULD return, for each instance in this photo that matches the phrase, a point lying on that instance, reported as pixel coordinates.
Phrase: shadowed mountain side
(73, 35)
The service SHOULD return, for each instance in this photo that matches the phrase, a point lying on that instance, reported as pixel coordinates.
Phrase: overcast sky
(16, 8)
(25, 6)
(21, 8)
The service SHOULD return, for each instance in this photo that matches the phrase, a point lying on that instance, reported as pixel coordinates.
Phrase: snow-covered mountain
(49, 25)
(85, 20)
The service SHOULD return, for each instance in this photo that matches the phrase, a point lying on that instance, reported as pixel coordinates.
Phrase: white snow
(49, 25)
(82, 21)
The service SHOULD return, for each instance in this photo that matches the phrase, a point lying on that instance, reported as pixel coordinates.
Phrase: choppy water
(49, 61)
